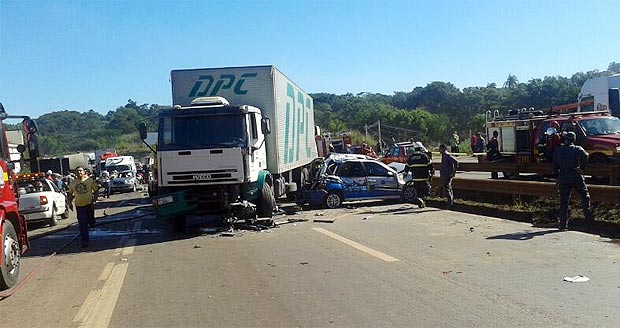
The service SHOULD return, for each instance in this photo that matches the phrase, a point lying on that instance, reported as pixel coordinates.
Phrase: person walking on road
(83, 191)
(449, 164)
(421, 167)
(569, 162)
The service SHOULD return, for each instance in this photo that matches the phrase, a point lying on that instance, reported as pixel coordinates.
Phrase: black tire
(266, 203)
(332, 200)
(65, 215)
(409, 194)
(54, 219)
(9, 268)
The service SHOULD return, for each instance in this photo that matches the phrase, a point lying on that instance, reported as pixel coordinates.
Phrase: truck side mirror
(265, 125)
(3, 113)
(142, 129)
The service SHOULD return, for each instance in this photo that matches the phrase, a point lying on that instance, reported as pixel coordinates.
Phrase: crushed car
(347, 177)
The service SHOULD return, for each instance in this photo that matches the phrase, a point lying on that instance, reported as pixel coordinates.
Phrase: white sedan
(41, 200)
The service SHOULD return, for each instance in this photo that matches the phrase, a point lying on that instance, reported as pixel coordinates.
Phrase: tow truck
(13, 229)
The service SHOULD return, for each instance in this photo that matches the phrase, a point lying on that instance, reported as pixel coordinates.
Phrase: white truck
(600, 94)
(236, 139)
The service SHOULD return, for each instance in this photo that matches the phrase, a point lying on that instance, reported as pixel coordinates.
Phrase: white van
(120, 164)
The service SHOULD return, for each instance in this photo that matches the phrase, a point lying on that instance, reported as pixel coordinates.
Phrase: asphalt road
(376, 265)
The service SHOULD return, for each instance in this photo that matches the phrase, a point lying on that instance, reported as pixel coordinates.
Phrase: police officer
(421, 167)
(569, 161)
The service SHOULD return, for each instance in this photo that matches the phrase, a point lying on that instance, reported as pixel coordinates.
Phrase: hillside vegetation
(429, 113)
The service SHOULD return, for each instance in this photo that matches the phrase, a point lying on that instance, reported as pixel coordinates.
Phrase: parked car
(348, 177)
(124, 181)
(40, 199)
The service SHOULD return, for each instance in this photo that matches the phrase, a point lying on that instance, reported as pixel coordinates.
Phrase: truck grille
(210, 176)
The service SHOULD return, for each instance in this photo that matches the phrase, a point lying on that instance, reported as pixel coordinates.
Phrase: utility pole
(366, 135)
(379, 128)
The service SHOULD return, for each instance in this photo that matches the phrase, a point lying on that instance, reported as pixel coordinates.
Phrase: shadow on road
(526, 235)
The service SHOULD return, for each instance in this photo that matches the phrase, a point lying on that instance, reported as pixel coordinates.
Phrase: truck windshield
(196, 132)
(601, 126)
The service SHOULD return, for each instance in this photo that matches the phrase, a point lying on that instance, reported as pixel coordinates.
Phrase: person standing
(472, 143)
(83, 191)
(553, 141)
(569, 161)
(449, 164)
(455, 142)
(421, 167)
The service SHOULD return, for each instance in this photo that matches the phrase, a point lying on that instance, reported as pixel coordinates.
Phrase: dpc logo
(208, 85)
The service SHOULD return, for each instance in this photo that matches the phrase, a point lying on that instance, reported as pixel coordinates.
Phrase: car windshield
(601, 126)
(32, 186)
(118, 168)
(194, 132)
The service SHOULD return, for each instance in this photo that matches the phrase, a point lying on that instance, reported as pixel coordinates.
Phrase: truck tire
(9, 268)
(266, 203)
(54, 219)
(65, 215)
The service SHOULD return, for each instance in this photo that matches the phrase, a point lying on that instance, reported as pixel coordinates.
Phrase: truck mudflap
(172, 205)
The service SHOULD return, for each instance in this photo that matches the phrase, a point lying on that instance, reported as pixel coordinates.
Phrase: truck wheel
(54, 219)
(333, 200)
(9, 268)
(266, 203)
(409, 194)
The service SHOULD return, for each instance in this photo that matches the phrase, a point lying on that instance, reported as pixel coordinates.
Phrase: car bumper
(36, 215)
(122, 187)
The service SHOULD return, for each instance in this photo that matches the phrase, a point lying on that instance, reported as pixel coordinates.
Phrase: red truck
(13, 230)
(522, 134)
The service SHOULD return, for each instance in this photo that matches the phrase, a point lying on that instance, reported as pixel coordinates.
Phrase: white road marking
(357, 246)
(100, 314)
(106, 271)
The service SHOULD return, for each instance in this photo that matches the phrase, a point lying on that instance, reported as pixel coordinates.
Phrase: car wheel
(266, 203)
(409, 193)
(54, 219)
(333, 200)
(65, 214)
(9, 268)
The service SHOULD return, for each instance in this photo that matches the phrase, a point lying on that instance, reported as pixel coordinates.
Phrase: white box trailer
(291, 143)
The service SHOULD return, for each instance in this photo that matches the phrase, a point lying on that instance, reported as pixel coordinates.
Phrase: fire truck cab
(13, 230)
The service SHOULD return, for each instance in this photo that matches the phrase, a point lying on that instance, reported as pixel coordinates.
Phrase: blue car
(347, 177)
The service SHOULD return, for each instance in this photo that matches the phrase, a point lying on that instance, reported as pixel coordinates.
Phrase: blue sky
(82, 55)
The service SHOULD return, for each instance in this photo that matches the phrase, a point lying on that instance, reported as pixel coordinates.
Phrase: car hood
(607, 138)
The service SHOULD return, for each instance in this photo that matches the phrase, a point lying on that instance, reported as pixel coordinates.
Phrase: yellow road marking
(87, 306)
(106, 271)
(129, 247)
(101, 312)
(357, 246)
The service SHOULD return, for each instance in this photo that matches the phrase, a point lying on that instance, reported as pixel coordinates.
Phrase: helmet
(49, 172)
(570, 136)
(555, 124)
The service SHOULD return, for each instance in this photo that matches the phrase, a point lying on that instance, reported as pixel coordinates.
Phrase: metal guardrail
(603, 194)
(611, 171)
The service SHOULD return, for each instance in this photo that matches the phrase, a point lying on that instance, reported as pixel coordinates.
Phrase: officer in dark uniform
(569, 161)
(421, 167)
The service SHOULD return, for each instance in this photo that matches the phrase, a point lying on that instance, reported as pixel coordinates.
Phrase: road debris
(303, 263)
(578, 278)
(471, 229)
(197, 246)
(319, 214)
(287, 221)
(367, 218)
(323, 221)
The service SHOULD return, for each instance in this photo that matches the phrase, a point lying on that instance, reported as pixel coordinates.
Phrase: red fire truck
(13, 230)
(522, 133)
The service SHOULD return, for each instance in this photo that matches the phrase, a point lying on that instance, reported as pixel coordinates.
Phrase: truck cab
(215, 149)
